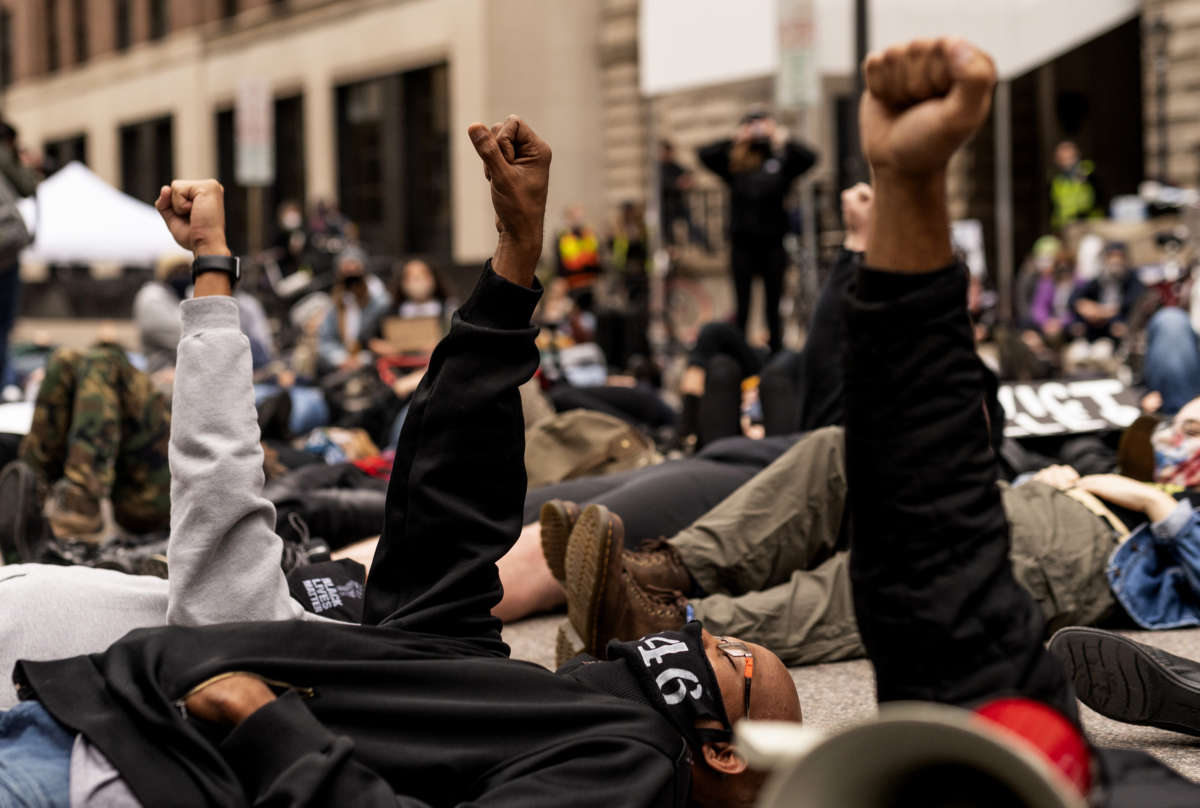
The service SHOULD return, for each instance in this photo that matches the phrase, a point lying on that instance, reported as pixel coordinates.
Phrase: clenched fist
(194, 211)
(856, 215)
(517, 163)
(923, 101)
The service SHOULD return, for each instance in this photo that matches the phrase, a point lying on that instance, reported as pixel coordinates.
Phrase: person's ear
(723, 758)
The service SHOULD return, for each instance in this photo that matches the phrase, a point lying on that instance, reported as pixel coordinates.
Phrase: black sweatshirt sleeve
(285, 758)
(939, 611)
(715, 157)
(455, 500)
(823, 361)
(798, 158)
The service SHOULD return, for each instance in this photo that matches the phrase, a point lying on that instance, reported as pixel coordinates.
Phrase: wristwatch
(228, 264)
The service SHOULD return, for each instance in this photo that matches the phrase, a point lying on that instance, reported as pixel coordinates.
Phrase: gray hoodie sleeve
(224, 555)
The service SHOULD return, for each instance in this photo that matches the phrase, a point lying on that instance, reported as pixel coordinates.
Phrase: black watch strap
(228, 264)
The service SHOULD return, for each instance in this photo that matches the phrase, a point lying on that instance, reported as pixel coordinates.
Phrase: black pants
(640, 406)
(750, 257)
(662, 500)
(938, 609)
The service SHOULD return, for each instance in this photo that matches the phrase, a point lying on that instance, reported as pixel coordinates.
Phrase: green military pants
(100, 423)
(772, 558)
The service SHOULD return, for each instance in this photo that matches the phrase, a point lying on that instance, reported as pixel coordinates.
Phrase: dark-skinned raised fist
(923, 100)
(517, 164)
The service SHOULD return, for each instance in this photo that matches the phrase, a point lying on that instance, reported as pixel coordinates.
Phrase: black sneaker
(1131, 682)
(24, 532)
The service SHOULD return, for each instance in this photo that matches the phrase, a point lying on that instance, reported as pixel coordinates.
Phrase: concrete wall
(1183, 89)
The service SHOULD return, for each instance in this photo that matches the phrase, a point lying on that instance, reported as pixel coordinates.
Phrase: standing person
(1074, 191)
(759, 165)
(674, 181)
(579, 257)
(21, 181)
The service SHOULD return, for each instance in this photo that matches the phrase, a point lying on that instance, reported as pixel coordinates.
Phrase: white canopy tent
(79, 218)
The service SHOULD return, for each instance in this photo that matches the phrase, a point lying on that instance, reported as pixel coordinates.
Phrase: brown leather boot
(557, 519)
(604, 600)
(657, 565)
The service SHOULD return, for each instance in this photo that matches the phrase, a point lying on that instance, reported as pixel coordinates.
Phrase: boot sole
(587, 563)
(557, 519)
(26, 515)
(1116, 678)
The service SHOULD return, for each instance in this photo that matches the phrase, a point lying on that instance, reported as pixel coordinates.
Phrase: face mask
(1177, 453)
(418, 290)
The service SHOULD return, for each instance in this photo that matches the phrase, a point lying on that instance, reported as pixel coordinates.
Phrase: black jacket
(420, 706)
(756, 197)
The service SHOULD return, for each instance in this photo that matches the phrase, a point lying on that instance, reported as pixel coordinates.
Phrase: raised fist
(194, 211)
(517, 163)
(856, 215)
(923, 100)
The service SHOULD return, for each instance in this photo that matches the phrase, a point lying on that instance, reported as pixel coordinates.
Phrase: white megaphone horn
(914, 755)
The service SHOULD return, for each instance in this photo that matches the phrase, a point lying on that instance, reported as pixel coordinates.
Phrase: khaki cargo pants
(772, 556)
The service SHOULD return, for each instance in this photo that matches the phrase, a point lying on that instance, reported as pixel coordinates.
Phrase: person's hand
(1131, 494)
(1060, 477)
(380, 347)
(407, 384)
(517, 164)
(1119, 330)
(194, 211)
(1152, 402)
(230, 700)
(923, 101)
(856, 213)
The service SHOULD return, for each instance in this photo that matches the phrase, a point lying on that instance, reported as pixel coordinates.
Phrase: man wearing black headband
(420, 705)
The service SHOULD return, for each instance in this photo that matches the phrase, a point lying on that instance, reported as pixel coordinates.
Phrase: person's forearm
(910, 228)
(1158, 504)
(516, 259)
(223, 554)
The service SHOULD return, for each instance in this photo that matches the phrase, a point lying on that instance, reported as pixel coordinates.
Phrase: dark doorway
(147, 157)
(289, 171)
(1092, 95)
(394, 161)
(63, 150)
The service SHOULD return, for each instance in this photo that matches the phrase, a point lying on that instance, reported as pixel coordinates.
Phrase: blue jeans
(10, 301)
(309, 409)
(1172, 364)
(35, 758)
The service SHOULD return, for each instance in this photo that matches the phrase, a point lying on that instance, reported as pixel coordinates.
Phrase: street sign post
(254, 159)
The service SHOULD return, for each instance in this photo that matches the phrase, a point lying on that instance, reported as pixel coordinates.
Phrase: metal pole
(254, 219)
(1005, 264)
(862, 44)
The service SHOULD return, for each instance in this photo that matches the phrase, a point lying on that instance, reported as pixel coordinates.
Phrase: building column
(320, 140)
